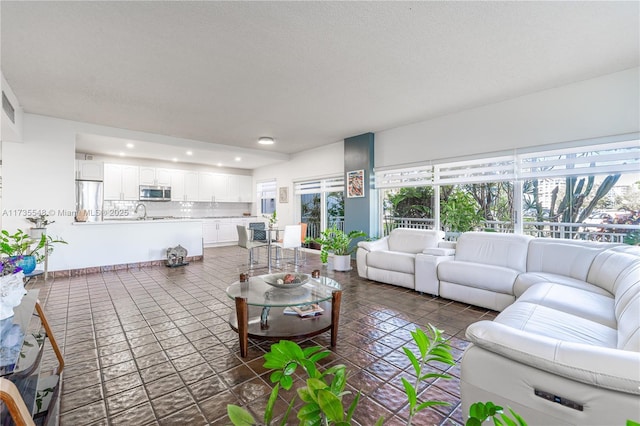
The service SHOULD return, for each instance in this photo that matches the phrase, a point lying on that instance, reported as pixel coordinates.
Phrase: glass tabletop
(259, 293)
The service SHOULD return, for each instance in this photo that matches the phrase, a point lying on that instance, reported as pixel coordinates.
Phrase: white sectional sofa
(567, 351)
(565, 348)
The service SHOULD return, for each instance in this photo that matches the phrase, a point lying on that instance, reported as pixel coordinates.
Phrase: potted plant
(338, 242)
(273, 220)
(27, 251)
(40, 225)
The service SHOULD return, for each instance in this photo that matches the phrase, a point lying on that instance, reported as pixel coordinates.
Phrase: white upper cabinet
(184, 185)
(177, 185)
(155, 176)
(89, 170)
(240, 188)
(191, 186)
(205, 186)
(220, 187)
(213, 187)
(121, 182)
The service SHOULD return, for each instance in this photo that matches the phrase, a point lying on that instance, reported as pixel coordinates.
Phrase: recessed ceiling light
(265, 140)
(130, 145)
(238, 159)
(189, 152)
(122, 154)
(219, 164)
(175, 160)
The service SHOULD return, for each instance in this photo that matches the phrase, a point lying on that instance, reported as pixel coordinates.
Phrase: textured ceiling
(306, 73)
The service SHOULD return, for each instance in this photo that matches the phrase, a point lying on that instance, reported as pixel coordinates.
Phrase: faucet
(144, 217)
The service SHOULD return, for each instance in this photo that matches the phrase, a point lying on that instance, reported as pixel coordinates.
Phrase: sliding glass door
(321, 204)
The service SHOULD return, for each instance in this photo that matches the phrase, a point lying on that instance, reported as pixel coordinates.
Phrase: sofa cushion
(594, 365)
(392, 261)
(575, 301)
(618, 269)
(529, 279)
(556, 324)
(492, 248)
(413, 240)
(488, 277)
(563, 257)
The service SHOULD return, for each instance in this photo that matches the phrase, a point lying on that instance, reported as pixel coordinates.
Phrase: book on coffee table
(304, 310)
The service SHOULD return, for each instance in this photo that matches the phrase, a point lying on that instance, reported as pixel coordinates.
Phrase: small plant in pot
(27, 251)
(39, 225)
(338, 242)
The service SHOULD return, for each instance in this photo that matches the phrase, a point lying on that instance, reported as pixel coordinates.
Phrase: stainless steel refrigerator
(89, 200)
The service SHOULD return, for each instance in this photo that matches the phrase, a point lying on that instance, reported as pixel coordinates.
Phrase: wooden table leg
(242, 314)
(335, 316)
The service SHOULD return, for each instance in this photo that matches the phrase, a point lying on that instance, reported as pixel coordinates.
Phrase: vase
(342, 262)
(12, 291)
(27, 263)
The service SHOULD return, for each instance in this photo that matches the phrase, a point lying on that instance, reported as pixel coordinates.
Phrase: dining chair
(290, 240)
(258, 231)
(245, 242)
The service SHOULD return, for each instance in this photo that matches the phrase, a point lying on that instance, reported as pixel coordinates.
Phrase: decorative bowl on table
(286, 279)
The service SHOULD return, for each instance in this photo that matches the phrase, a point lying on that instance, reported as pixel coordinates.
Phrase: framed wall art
(283, 194)
(355, 184)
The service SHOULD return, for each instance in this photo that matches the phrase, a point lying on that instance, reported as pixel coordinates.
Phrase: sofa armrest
(598, 366)
(447, 244)
(439, 251)
(376, 245)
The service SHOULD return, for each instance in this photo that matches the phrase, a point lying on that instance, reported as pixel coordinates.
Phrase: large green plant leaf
(330, 405)
(239, 416)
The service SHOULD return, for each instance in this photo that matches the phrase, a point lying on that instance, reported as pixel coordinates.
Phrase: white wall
(603, 106)
(315, 163)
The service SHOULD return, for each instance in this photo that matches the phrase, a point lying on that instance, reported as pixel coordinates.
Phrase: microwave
(155, 193)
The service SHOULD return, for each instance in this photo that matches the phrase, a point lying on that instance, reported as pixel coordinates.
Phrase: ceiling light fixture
(130, 145)
(122, 154)
(189, 152)
(238, 159)
(219, 164)
(265, 140)
(175, 160)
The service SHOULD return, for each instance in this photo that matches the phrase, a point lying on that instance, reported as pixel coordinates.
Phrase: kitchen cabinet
(205, 186)
(213, 187)
(121, 182)
(190, 186)
(225, 188)
(219, 232)
(240, 188)
(184, 185)
(177, 185)
(89, 170)
(155, 176)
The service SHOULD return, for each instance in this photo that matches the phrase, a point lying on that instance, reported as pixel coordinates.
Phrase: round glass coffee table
(259, 310)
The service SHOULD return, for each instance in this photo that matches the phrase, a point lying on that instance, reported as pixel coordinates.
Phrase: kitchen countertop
(151, 219)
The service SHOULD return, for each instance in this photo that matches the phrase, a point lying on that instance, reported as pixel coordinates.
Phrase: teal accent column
(360, 212)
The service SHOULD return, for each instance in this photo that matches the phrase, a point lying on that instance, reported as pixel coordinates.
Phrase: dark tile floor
(152, 346)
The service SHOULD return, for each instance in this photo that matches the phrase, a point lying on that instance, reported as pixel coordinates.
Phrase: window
(321, 204)
(590, 190)
(267, 197)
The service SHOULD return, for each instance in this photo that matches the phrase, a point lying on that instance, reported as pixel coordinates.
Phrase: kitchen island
(95, 246)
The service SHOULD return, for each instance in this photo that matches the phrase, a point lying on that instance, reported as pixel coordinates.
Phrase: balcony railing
(313, 227)
(604, 232)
